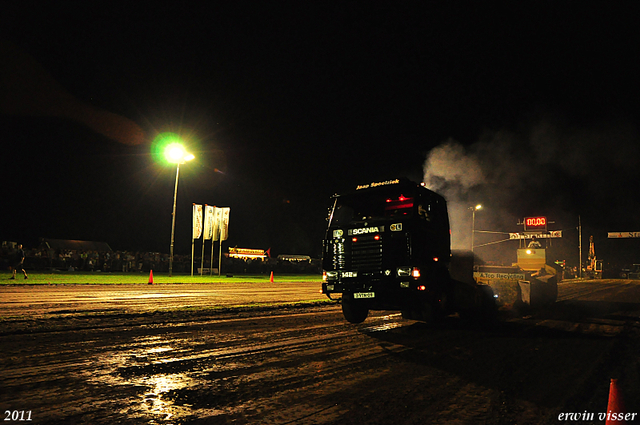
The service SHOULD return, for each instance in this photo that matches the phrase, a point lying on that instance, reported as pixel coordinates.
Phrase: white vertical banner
(206, 235)
(197, 229)
(214, 234)
(217, 219)
(197, 221)
(208, 222)
(224, 225)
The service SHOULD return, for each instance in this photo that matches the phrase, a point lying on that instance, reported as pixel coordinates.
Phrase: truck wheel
(354, 311)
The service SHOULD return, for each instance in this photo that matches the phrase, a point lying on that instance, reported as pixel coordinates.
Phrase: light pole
(176, 154)
(473, 222)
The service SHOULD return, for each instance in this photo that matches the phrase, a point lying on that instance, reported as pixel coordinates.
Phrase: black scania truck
(388, 247)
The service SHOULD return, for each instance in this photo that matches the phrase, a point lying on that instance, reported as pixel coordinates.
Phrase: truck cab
(387, 247)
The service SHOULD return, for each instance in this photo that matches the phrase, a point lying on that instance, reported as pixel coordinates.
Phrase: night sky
(529, 110)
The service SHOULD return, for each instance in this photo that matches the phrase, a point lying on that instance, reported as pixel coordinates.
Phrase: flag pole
(220, 259)
(204, 237)
(193, 241)
(211, 267)
(220, 247)
(202, 259)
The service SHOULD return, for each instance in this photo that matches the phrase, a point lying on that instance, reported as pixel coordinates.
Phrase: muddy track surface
(306, 365)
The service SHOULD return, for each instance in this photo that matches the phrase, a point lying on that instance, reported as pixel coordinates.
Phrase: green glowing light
(168, 148)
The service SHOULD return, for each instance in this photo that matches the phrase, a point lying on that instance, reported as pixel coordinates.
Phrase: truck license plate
(364, 295)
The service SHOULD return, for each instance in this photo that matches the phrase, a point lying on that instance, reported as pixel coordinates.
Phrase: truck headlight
(327, 276)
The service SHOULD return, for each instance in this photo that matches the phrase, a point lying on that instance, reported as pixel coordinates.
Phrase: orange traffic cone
(615, 409)
(150, 277)
(271, 278)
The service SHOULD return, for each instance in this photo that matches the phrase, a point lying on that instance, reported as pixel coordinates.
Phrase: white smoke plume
(548, 169)
(453, 172)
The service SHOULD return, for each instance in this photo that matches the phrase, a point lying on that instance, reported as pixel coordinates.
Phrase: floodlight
(176, 153)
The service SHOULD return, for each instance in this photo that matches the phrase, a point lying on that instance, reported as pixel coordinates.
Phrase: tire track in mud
(178, 371)
(62, 301)
(308, 366)
(244, 373)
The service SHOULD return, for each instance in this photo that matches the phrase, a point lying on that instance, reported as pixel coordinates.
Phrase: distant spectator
(18, 263)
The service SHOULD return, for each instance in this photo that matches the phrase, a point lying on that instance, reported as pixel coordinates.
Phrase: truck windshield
(359, 208)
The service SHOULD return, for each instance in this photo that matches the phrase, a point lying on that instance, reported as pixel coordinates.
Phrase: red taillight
(354, 240)
(376, 237)
(435, 259)
(415, 272)
(421, 288)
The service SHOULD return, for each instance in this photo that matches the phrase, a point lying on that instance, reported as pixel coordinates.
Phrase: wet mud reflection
(389, 322)
(137, 368)
(155, 402)
(192, 375)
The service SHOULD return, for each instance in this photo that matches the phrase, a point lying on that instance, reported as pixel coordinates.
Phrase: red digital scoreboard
(535, 224)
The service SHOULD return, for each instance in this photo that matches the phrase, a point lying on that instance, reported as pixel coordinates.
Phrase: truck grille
(338, 260)
(366, 255)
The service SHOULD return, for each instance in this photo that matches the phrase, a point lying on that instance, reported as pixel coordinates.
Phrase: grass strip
(99, 278)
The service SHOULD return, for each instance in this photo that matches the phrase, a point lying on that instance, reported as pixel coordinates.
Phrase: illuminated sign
(551, 234)
(499, 276)
(535, 224)
(616, 235)
(364, 230)
(376, 184)
(246, 253)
